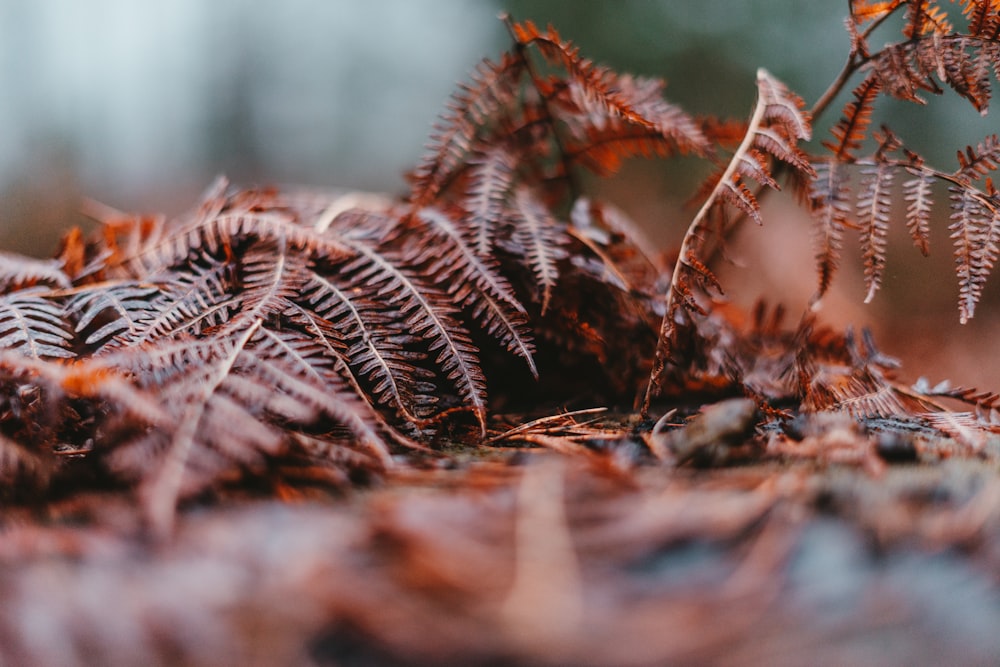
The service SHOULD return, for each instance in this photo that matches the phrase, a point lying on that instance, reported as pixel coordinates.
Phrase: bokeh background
(140, 105)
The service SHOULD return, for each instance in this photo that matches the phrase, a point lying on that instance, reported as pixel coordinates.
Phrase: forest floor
(595, 555)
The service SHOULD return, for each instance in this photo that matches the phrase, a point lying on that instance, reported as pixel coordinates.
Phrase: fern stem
(835, 88)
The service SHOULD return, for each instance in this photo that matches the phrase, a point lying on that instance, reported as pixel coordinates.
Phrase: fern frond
(864, 11)
(874, 204)
(493, 86)
(830, 203)
(270, 277)
(777, 124)
(116, 309)
(599, 84)
(604, 150)
(865, 396)
(233, 399)
(299, 367)
(491, 175)
(925, 17)
(196, 296)
(258, 216)
(600, 141)
(966, 76)
(199, 449)
(961, 61)
(851, 130)
(903, 71)
(982, 17)
(977, 162)
(539, 238)
(673, 123)
(427, 314)
(918, 194)
(19, 272)
(372, 349)
(975, 231)
(34, 326)
(475, 283)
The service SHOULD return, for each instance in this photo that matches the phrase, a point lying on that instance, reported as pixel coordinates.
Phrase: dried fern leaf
(475, 283)
(233, 398)
(539, 238)
(874, 205)
(116, 309)
(601, 141)
(975, 231)
(830, 201)
(863, 11)
(491, 175)
(599, 84)
(851, 130)
(371, 348)
(34, 326)
(493, 86)
(918, 194)
(977, 162)
(18, 272)
(196, 296)
(778, 122)
(427, 315)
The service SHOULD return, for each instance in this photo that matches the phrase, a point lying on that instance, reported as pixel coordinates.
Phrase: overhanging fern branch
(776, 126)
(975, 211)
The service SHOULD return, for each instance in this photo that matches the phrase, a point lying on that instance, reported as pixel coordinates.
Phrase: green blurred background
(140, 105)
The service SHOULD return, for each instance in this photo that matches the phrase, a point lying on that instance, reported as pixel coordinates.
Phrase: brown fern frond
(830, 197)
(961, 61)
(776, 126)
(232, 399)
(918, 194)
(851, 130)
(190, 300)
(257, 215)
(112, 311)
(668, 125)
(701, 275)
(974, 163)
(539, 238)
(428, 315)
(598, 84)
(903, 75)
(492, 87)
(975, 231)
(925, 16)
(873, 208)
(945, 389)
(982, 17)
(475, 283)
(866, 396)
(491, 176)
(969, 77)
(34, 325)
(863, 11)
(354, 327)
(604, 150)
(18, 272)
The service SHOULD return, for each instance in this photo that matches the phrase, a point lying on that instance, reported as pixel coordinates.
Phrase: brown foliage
(289, 344)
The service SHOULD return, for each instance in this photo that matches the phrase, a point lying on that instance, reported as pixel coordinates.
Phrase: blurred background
(140, 105)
